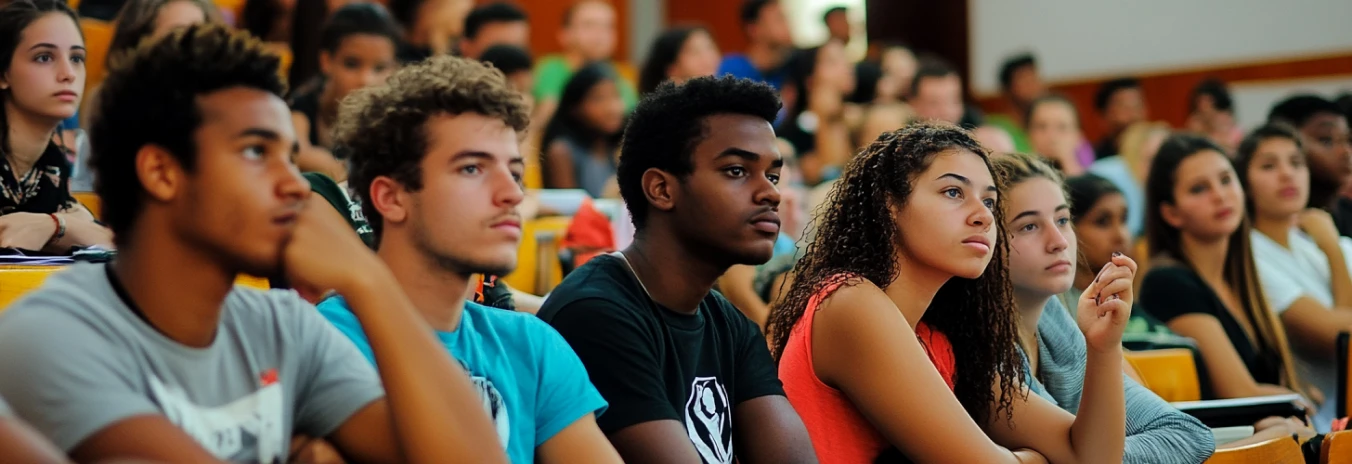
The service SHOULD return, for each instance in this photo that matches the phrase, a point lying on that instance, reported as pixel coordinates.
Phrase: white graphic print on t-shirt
(229, 432)
(708, 420)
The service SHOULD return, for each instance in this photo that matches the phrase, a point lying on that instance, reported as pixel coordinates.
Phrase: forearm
(1159, 433)
(1340, 279)
(81, 231)
(434, 408)
(1099, 430)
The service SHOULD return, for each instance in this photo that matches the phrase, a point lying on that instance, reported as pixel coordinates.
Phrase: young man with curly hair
(436, 160)
(680, 365)
(159, 357)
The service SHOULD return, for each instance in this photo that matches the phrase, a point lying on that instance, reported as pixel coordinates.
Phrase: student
(857, 321)
(42, 74)
(588, 36)
(678, 55)
(936, 93)
(1021, 84)
(1202, 281)
(1328, 148)
(431, 27)
(426, 136)
(515, 63)
(687, 376)
(816, 125)
(1042, 241)
(195, 174)
(837, 22)
(357, 47)
(1302, 261)
(769, 45)
(1211, 111)
(1054, 133)
(1128, 169)
(1120, 103)
(581, 140)
(498, 23)
(20, 443)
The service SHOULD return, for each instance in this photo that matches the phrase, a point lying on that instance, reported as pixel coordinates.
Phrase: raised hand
(1318, 224)
(1105, 306)
(324, 253)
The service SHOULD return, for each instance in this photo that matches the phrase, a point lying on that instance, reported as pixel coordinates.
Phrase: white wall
(805, 20)
(1254, 99)
(1078, 39)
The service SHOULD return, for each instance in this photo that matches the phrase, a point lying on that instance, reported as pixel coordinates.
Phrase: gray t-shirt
(77, 359)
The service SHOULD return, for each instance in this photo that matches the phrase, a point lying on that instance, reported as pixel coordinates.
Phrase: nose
(290, 184)
(1056, 242)
(982, 217)
(369, 77)
(65, 71)
(767, 193)
(507, 191)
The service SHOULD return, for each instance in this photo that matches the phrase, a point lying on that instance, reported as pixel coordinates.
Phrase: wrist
(373, 276)
(1113, 351)
(58, 227)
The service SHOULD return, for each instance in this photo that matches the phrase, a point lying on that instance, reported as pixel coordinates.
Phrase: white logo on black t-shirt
(708, 420)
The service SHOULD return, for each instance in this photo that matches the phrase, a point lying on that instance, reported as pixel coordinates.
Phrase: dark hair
(136, 21)
(405, 12)
(1012, 65)
(259, 16)
(1048, 98)
(1344, 102)
(306, 35)
(1214, 88)
(1249, 147)
(799, 67)
(1165, 243)
(1298, 110)
(930, 67)
(385, 126)
(665, 51)
(1108, 89)
(857, 236)
(567, 122)
(150, 98)
(492, 13)
(866, 77)
(669, 122)
(14, 19)
(751, 10)
(833, 10)
(510, 59)
(357, 19)
(1085, 191)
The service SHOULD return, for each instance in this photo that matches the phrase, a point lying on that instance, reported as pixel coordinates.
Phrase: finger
(1114, 289)
(1125, 261)
(1093, 291)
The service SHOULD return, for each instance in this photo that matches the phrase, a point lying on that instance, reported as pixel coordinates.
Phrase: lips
(1288, 192)
(767, 222)
(68, 95)
(979, 243)
(1225, 213)
(1059, 266)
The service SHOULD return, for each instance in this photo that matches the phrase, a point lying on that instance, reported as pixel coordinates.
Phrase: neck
(439, 294)
(1276, 228)
(27, 139)
(1030, 306)
(655, 253)
(764, 56)
(913, 293)
(178, 287)
(574, 59)
(1206, 256)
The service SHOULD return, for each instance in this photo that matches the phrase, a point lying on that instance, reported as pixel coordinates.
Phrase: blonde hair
(1133, 142)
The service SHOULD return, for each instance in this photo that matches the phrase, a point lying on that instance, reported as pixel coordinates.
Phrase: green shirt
(552, 73)
(336, 195)
(1020, 137)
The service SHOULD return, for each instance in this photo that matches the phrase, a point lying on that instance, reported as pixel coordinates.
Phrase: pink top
(840, 434)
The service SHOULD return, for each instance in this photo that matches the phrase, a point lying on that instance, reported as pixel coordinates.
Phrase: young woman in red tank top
(898, 332)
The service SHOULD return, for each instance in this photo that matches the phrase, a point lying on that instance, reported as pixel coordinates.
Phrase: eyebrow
(269, 134)
(1034, 212)
(748, 156)
(47, 45)
(483, 155)
(964, 180)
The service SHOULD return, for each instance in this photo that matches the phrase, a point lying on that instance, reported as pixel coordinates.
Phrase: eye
(953, 192)
(1196, 189)
(1063, 221)
(47, 57)
(1225, 179)
(736, 171)
(989, 202)
(774, 178)
(77, 58)
(1028, 227)
(254, 152)
(472, 170)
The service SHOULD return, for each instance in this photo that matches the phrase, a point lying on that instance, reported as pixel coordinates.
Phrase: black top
(1342, 215)
(1172, 291)
(410, 54)
(651, 363)
(306, 102)
(45, 189)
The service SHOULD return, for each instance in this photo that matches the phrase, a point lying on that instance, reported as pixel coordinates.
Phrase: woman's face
(948, 223)
(1208, 200)
(1041, 239)
(834, 68)
(899, 68)
(1279, 179)
(47, 74)
(603, 108)
(1053, 130)
(698, 57)
(361, 60)
(176, 14)
(1103, 230)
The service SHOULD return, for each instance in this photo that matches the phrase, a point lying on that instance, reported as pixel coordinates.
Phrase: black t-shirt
(651, 363)
(1171, 291)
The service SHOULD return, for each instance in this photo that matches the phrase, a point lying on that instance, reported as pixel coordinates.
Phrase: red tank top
(840, 434)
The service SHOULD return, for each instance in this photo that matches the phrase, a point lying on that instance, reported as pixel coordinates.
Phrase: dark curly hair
(385, 126)
(150, 98)
(857, 236)
(669, 122)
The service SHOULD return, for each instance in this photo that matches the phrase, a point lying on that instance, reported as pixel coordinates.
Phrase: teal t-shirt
(552, 74)
(528, 377)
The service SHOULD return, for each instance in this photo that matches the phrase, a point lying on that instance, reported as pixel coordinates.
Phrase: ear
(391, 199)
(1171, 215)
(661, 189)
(325, 62)
(161, 175)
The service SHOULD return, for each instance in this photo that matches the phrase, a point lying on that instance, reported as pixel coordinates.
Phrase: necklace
(630, 266)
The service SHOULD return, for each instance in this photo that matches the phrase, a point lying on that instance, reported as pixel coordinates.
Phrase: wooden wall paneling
(722, 17)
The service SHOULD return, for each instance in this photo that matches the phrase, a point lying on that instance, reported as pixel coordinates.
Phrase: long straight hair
(15, 17)
(1165, 241)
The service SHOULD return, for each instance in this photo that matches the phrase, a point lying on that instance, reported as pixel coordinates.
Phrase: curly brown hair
(857, 236)
(384, 126)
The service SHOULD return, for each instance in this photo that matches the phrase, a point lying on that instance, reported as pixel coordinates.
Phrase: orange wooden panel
(91, 201)
(1281, 450)
(17, 281)
(526, 276)
(98, 37)
(1337, 448)
(1170, 373)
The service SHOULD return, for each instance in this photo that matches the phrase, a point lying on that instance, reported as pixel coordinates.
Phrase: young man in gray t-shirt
(158, 356)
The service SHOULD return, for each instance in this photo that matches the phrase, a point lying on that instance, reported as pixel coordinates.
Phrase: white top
(1287, 275)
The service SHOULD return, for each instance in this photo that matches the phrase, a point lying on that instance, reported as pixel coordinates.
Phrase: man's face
(939, 98)
(838, 26)
(773, 27)
(465, 216)
(242, 199)
(591, 31)
(1026, 85)
(729, 203)
(1126, 106)
(1325, 139)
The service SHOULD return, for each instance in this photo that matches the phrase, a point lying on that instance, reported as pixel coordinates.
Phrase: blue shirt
(530, 380)
(740, 66)
(1115, 169)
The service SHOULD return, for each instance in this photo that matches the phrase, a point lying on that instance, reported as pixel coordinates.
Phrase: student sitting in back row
(195, 170)
(450, 128)
(688, 377)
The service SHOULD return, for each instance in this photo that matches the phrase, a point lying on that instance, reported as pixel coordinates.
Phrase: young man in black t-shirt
(678, 364)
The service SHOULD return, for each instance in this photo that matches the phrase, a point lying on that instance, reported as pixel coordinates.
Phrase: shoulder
(599, 285)
(734, 62)
(516, 326)
(1165, 272)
